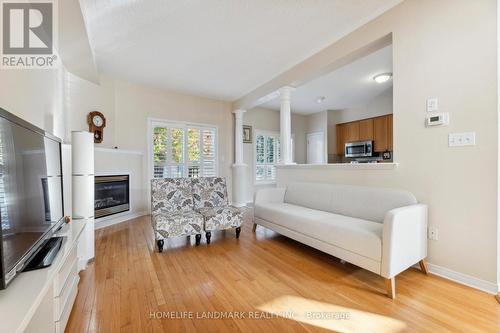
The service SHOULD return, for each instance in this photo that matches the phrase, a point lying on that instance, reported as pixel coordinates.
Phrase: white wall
(83, 97)
(36, 96)
(269, 120)
(459, 184)
(378, 106)
(121, 162)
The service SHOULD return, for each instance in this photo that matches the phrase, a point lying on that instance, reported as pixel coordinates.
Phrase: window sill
(257, 183)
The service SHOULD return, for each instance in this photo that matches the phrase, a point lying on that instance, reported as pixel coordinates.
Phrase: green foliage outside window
(193, 145)
(160, 144)
(177, 143)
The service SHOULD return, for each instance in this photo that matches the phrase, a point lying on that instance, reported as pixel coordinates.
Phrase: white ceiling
(216, 48)
(347, 87)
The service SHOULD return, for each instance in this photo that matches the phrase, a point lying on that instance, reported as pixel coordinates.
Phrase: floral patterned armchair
(211, 201)
(172, 210)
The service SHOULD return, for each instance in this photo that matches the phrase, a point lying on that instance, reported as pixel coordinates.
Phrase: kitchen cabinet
(351, 131)
(378, 130)
(365, 130)
(340, 139)
(389, 132)
(348, 132)
(382, 133)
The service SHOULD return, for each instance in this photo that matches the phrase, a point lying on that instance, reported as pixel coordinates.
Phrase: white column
(239, 168)
(285, 125)
(238, 136)
(82, 188)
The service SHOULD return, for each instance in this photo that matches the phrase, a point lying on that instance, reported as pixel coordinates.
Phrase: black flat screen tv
(31, 194)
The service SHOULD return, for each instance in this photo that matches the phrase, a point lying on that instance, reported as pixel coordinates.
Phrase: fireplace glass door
(111, 195)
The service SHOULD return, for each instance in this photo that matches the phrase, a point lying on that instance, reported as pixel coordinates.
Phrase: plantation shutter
(184, 151)
(260, 153)
(209, 153)
(194, 158)
(267, 155)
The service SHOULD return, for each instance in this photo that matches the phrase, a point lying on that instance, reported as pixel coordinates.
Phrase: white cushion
(356, 235)
(367, 203)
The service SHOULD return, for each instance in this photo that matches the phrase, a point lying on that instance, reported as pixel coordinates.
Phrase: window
(267, 155)
(183, 150)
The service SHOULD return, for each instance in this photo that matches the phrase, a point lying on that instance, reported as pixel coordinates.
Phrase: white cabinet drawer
(66, 309)
(62, 299)
(64, 272)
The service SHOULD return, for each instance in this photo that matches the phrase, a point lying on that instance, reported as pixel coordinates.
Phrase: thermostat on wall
(437, 119)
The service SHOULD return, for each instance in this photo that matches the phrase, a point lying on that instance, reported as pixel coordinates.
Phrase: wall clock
(96, 122)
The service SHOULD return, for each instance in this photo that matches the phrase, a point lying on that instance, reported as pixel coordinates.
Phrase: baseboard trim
(467, 280)
(118, 218)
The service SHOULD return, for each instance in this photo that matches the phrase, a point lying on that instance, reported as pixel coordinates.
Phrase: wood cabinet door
(351, 132)
(340, 139)
(380, 132)
(389, 132)
(366, 130)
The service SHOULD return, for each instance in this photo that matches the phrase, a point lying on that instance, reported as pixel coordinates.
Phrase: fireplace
(112, 195)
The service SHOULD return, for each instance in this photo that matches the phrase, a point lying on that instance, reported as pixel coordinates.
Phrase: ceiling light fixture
(320, 99)
(381, 78)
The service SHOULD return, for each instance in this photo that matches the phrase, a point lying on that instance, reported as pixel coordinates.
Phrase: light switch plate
(433, 233)
(432, 105)
(462, 139)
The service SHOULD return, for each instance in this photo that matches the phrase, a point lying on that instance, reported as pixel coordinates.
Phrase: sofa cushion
(177, 224)
(170, 195)
(367, 203)
(353, 234)
(220, 218)
(209, 192)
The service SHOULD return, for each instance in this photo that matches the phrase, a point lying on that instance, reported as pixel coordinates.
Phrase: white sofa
(381, 230)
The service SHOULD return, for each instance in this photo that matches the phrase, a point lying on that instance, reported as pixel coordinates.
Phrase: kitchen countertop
(342, 166)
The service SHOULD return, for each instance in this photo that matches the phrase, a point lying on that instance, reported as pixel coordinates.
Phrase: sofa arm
(404, 239)
(269, 195)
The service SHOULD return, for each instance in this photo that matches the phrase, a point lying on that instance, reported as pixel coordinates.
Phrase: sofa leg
(160, 243)
(423, 266)
(198, 239)
(254, 227)
(238, 230)
(390, 286)
(208, 235)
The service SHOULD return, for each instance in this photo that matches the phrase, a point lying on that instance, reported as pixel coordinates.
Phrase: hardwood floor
(262, 282)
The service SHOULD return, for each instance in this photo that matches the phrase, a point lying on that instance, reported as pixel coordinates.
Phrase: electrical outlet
(462, 139)
(432, 233)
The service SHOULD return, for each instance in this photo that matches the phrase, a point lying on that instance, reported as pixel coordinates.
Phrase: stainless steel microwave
(359, 149)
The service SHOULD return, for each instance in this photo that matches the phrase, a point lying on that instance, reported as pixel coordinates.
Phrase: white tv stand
(40, 301)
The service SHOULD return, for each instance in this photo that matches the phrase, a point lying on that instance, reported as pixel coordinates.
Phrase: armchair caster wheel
(198, 239)
(160, 243)
(208, 235)
(238, 230)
